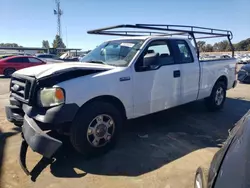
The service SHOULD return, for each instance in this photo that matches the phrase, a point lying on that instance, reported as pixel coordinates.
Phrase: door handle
(177, 73)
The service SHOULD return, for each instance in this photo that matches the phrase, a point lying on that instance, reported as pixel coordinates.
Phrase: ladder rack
(165, 30)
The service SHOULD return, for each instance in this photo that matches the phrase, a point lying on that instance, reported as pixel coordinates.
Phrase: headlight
(51, 97)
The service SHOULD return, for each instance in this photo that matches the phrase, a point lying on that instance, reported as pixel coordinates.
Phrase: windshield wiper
(96, 61)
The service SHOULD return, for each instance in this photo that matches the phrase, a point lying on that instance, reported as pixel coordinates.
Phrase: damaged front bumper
(35, 123)
(38, 141)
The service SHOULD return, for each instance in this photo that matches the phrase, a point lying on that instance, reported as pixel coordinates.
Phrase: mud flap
(22, 157)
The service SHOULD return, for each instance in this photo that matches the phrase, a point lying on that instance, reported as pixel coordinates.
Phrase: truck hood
(50, 69)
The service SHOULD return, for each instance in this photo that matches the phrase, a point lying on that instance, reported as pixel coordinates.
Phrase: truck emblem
(16, 87)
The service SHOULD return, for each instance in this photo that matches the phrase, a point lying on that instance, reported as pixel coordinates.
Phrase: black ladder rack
(165, 30)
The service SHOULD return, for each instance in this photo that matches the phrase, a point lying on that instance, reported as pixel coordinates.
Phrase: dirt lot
(177, 141)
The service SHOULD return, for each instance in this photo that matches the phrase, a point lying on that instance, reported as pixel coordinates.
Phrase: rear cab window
(182, 51)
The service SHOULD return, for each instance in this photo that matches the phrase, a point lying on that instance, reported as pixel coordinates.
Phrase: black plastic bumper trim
(39, 141)
(22, 157)
(235, 83)
(53, 115)
(14, 114)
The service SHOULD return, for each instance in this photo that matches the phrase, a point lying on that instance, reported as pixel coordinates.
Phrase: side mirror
(150, 59)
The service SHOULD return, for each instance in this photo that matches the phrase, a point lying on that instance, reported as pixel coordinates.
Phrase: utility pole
(67, 38)
(59, 13)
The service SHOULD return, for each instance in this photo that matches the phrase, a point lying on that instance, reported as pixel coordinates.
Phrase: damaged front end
(36, 121)
(21, 113)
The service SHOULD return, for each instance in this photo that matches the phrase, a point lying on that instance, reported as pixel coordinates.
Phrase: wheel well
(222, 79)
(9, 68)
(112, 100)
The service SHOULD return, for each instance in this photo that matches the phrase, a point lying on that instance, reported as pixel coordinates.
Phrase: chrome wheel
(198, 181)
(219, 97)
(100, 130)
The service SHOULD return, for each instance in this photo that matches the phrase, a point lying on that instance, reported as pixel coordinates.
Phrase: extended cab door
(189, 69)
(156, 87)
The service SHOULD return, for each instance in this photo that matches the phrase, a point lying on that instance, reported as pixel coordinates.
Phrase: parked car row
(213, 57)
(5, 55)
(51, 58)
(243, 59)
(11, 64)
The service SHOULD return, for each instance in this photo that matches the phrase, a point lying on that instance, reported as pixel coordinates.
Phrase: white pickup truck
(120, 79)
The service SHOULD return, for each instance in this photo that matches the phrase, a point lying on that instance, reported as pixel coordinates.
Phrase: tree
(45, 44)
(221, 46)
(208, 48)
(243, 45)
(201, 45)
(14, 45)
(58, 42)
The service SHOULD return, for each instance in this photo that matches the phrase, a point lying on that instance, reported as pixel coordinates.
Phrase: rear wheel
(8, 72)
(217, 98)
(96, 129)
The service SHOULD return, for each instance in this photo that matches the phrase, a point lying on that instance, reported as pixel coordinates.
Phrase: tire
(8, 72)
(212, 102)
(84, 129)
(201, 178)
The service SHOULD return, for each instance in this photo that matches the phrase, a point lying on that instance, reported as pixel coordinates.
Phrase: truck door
(189, 70)
(156, 87)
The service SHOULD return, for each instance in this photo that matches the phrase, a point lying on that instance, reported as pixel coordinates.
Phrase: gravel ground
(160, 150)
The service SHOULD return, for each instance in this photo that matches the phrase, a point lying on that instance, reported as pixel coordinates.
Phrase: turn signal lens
(59, 94)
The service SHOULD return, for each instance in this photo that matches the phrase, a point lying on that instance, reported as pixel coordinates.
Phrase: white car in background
(245, 59)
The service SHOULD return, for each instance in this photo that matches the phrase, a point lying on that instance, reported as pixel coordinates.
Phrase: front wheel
(217, 98)
(96, 129)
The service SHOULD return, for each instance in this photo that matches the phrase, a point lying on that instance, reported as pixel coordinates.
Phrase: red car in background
(10, 64)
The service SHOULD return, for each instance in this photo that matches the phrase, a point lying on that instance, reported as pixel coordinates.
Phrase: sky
(28, 22)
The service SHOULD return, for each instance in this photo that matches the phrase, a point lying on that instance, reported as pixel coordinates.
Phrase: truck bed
(211, 70)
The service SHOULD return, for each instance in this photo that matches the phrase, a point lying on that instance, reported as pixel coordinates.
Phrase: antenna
(59, 13)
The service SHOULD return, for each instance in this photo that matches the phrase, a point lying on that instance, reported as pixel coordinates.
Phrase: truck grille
(21, 87)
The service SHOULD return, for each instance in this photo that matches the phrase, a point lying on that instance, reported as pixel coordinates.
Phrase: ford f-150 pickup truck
(120, 79)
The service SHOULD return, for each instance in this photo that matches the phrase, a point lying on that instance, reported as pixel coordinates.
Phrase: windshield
(116, 53)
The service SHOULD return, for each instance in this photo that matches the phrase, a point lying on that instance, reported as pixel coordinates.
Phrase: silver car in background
(49, 58)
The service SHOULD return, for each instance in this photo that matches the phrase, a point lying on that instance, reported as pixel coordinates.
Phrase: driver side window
(160, 48)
